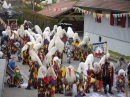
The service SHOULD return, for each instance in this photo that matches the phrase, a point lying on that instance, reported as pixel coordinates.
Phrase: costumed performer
(107, 74)
(52, 78)
(42, 81)
(120, 83)
(69, 80)
(34, 65)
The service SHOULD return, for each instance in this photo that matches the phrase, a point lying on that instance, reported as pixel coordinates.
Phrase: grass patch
(118, 55)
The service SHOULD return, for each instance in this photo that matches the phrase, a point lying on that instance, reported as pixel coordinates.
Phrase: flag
(98, 49)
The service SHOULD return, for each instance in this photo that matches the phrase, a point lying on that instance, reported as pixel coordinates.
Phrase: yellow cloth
(63, 69)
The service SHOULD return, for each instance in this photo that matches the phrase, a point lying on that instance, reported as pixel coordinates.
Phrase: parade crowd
(34, 47)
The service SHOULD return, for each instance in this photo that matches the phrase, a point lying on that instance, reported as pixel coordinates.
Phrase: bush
(37, 19)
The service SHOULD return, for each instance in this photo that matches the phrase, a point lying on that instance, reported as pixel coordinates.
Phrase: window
(128, 21)
(100, 38)
(119, 20)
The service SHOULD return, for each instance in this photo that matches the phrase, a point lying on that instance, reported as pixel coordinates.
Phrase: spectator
(12, 63)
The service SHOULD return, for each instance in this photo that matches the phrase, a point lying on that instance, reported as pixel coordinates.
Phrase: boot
(28, 88)
(110, 90)
(105, 90)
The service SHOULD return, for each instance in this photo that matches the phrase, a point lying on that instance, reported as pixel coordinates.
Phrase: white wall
(114, 45)
(118, 38)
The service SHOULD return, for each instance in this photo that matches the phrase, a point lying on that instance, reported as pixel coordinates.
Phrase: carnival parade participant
(69, 49)
(96, 74)
(120, 83)
(128, 74)
(46, 40)
(76, 48)
(81, 77)
(12, 65)
(25, 53)
(17, 77)
(84, 45)
(69, 80)
(107, 75)
(59, 73)
(52, 79)
(121, 64)
(89, 69)
(34, 65)
(42, 82)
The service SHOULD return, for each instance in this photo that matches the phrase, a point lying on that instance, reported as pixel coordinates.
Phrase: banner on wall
(98, 49)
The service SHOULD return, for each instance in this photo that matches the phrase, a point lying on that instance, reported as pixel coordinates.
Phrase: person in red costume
(89, 73)
(96, 74)
(107, 75)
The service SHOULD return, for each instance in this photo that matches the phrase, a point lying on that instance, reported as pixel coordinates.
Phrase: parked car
(65, 26)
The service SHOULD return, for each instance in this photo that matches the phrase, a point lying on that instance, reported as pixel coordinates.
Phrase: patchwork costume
(120, 84)
(34, 66)
(76, 50)
(128, 74)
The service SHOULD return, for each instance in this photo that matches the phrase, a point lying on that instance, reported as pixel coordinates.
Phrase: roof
(68, 5)
(117, 5)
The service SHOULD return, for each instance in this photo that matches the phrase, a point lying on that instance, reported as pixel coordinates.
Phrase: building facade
(115, 29)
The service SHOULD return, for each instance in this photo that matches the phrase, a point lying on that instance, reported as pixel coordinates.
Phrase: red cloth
(99, 18)
(112, 19)
(89, 72)
(112, 77)
(100, 84)
(121, 77)
(123, 21)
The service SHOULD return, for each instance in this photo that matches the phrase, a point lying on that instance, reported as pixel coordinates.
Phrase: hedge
(36, 19)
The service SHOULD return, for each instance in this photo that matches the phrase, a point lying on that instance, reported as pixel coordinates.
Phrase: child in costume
(120, 84)
(17, 76)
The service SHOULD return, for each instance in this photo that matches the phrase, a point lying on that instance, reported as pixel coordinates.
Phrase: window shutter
(112, 19)
(123, 21)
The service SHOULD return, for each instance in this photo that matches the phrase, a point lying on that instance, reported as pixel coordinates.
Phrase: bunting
(38, 5)
(95, 15)
(80, 10)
